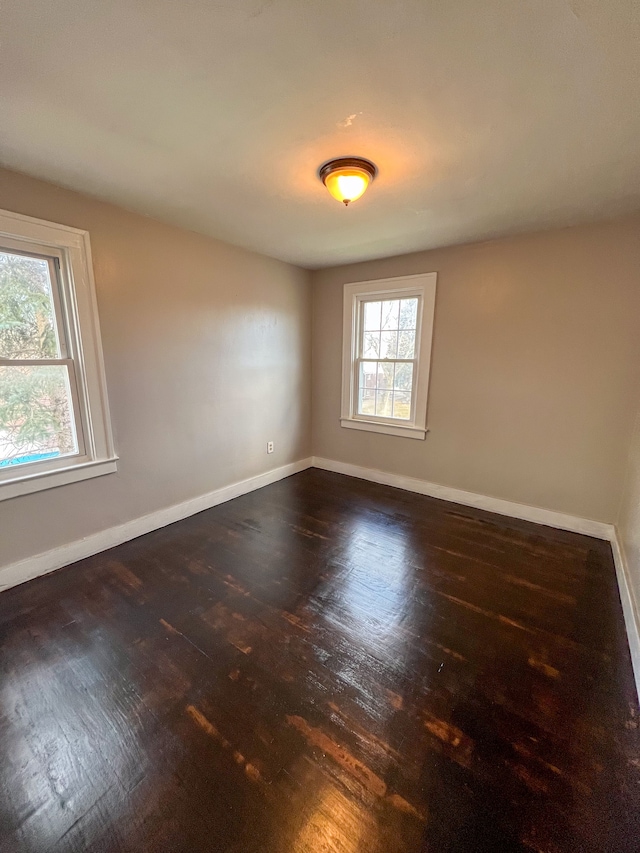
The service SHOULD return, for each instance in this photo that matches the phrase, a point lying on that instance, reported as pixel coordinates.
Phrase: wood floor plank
(322, 666)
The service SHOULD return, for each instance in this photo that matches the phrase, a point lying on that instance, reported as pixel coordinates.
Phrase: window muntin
(39, 413)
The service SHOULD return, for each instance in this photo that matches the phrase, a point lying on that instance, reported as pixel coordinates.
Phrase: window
(54, 426)
(388, 327)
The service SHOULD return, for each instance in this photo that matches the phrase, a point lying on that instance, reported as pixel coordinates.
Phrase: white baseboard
(538, 515)
(32, 567)
(629, 605)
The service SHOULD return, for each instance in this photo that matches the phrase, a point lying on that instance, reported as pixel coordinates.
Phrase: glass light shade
(347, 185)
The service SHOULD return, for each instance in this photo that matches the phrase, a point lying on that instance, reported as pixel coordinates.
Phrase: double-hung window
(54, 424)
(388, 328)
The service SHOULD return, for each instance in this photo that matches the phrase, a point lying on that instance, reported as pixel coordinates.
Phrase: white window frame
(422, 286)
(76, 309)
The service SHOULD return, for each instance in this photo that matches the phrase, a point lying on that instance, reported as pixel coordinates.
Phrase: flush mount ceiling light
(347, 178)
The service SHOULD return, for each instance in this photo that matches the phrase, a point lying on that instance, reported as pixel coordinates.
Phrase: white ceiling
(485, 117)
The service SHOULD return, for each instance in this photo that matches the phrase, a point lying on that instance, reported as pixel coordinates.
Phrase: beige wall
(536, 359)
(207, 353)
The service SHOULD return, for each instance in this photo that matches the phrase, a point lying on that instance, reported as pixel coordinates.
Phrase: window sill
(386, 429)
(24, 484)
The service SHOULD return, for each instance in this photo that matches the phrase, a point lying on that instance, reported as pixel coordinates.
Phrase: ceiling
(484, 118)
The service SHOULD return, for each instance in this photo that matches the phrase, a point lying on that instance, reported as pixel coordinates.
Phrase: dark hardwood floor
(322, 666)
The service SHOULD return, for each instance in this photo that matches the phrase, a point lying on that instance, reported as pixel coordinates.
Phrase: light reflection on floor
(331, 822)
(370, 597)
(57, 783)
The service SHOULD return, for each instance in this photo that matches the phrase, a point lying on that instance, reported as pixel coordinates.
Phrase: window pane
(408, 313)
(402, 405)
(404, 377)
(367, 382)
(367, 402)
(372, 316)
(383, 403)
(27, 316)
(406, 344)
(371, 345)
(36, 419)
(368, 371)
(390, 312)
(388, 345)
(385, 375)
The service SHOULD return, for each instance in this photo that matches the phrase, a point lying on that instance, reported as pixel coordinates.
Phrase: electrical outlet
(269, 447)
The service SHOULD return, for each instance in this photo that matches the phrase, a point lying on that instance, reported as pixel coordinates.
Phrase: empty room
(319, 426)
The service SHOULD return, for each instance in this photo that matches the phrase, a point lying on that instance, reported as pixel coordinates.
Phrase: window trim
(423, 286)
(79, 314)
